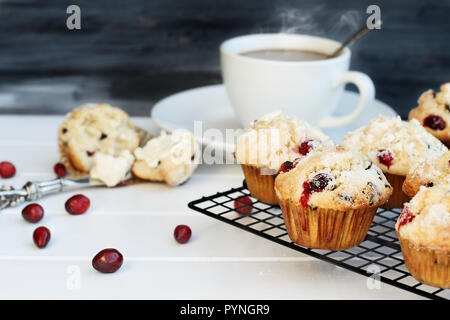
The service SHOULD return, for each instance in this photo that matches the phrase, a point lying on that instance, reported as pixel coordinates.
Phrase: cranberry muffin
(268, 143)
(329, 198)
(428, 173)
(95, 128)
(423, 229)
(171, 157)
(395, 146)
(433, 112)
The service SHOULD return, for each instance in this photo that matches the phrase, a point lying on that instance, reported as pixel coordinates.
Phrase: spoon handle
(358, 34)
(33, 190)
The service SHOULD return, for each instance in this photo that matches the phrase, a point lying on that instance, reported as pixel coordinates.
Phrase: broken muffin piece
(171, 157)
(95, 128)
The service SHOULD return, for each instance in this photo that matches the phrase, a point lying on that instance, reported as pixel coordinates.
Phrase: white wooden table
(220, 261)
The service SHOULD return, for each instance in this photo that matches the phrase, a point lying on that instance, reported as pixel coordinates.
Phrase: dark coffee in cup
(285, 55)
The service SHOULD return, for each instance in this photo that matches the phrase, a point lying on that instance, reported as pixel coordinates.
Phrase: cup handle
(366, 96)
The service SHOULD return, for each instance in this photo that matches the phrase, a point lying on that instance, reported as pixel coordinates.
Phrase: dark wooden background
(132, 53)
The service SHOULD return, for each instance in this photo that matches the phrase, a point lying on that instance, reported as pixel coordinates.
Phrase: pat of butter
(111, 170)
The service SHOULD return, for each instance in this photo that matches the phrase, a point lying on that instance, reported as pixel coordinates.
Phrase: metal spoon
(355, 36)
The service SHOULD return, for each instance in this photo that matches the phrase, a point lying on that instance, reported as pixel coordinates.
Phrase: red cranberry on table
(243, 205)
(78, 204)
(434, 122)
(385, 157)
(107, 261)
(41, 237)
(182, 233)
(33, 212)
(60, 169)
(7, 169)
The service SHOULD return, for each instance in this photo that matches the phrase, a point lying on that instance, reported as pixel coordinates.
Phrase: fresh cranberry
(107, 261)
(287, 166)
(317, 184)
(243, 205)
(182, 233)
(41, 236)
(33, 212)
(405, 217)
(307, 146)
(78, 204)
(7, 169)
(385, 157)
(434, 122)
(60, 169)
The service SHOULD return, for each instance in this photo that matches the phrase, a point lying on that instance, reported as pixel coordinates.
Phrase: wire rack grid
(380, 251)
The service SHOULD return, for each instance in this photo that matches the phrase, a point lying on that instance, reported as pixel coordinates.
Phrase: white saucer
(210, 105)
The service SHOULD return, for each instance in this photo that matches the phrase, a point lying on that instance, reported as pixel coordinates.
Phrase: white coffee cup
(309, 90)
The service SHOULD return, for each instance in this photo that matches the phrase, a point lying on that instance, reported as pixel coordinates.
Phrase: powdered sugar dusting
(274, 139)
(409, 142)
(428, 173)
(431, 225)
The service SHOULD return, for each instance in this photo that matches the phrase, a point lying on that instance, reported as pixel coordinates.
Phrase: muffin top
(93, 128)
(433, 112)
(394, 145)
(336, 179)
(428, 173)
(274, 139)
(426, 218)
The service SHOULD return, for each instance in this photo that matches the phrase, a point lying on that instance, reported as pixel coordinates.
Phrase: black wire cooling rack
(379, 251)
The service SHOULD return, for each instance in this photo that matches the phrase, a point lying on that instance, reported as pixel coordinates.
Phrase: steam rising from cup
(318, 21)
